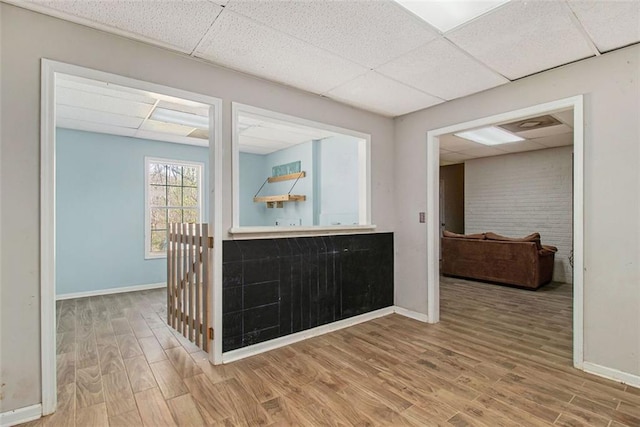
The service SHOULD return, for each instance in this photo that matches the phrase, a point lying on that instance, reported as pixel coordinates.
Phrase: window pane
(190, 176)
(157, 173)
(190, 197)
(159, 241)
(157, 196)
(158, 219)
(191, 215)
(174, 175)
(175, 196)
(175, 215)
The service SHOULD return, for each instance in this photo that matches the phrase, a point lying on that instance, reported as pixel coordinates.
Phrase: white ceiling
(375, 55)
(90, 105)
(264, 135)
(454, 149)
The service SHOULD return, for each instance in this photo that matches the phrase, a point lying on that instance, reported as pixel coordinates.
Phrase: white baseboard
(612, 374)
(19, 416)
(262, 347)
(111, 291)
(411, 314)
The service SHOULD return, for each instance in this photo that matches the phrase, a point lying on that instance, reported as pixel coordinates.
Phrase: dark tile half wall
(275, 287)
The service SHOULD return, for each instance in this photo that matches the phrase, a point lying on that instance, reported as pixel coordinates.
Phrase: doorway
(55, 76)
(433, 209)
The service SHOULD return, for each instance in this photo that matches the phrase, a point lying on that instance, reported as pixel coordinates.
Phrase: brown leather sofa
(490, 257)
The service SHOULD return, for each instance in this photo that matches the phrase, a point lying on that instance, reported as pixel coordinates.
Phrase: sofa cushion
(478, 236)
(530, 238)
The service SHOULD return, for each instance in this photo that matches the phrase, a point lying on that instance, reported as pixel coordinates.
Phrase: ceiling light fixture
(180, 118)
(446, 15)
(489, 136)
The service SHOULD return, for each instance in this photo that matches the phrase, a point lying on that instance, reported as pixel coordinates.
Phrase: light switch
(422, 217)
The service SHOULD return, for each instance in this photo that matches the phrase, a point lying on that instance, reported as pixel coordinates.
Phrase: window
(173, 195)
(292, 172)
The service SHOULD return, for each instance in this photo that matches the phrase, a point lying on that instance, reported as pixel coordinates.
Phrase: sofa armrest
(550, 248)
(546, 252)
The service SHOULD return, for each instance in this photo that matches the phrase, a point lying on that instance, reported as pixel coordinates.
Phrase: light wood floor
(500, 357)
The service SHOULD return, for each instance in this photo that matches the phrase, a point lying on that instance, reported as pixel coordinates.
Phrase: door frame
(433, 224)
(49, 69)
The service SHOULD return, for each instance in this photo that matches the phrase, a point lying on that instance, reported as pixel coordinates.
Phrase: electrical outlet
(422, 217)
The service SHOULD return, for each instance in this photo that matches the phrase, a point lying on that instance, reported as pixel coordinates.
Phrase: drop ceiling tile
(523, 38)
(485, 151)
(367, 32)
(275, 135)
(611, 24)
(98, 102)
(180, 24)
(542, 132)
(62, 122)
(101, 117)
(255, 150)
(375, 92)
(565, 117)
(262, 143)
(163, 127)
(555, 140)
(455, 143)
(242, 44)
(518, 147)
(166, 137)
(443, 70)
(103, 88)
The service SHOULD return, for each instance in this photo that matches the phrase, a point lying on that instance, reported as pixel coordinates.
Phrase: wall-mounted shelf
(278, 201)
(287, 177)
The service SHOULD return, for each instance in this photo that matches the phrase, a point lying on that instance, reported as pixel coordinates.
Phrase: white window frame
(147, 206)
(364, 176)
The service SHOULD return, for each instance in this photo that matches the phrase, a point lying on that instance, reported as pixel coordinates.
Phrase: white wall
(610, 84)
(26, 37)
(522, 193)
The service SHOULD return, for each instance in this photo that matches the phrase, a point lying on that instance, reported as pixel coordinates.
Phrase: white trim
(433, 233)
(215, 218)
(334, 229)
(262, 347)
(110, 291)
(48, 237)
(47, 204)
(411, 314)
(364, 165)
(147, 208)
(19, 416)
(612, 374)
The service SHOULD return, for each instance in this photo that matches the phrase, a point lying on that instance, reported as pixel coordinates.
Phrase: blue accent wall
(100, 209)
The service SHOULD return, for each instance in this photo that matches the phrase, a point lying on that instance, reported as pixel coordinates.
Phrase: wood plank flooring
(499, 357)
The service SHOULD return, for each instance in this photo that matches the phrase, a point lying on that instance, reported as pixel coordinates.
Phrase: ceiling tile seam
(336, 55)
(406, 85)
(89, 23)
(482, 15)
(99, 123)
(155, 105)
(416, 18)
(578, 24)
(206, 33)
(476, 60)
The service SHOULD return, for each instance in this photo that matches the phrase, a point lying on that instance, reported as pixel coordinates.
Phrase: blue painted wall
(255, 168)
(100, 209)
(251, 177)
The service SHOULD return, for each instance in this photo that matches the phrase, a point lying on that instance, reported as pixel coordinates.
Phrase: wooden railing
(188, 278)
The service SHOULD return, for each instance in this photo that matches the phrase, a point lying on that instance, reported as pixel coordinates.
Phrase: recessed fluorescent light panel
(448, 14)
(489, 136)
(180, 118)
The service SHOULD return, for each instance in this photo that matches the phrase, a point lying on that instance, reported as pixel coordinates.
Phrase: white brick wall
(518, 194)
